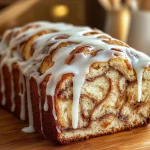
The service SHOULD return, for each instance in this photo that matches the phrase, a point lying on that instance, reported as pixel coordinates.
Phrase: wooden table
(11, 138)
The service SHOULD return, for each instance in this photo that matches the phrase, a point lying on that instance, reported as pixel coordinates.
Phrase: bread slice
(77, 82)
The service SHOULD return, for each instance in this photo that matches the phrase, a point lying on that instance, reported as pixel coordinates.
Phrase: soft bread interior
(108, 103)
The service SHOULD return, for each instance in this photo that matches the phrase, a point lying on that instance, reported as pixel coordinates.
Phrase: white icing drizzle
(5, 55)
(22, 96)
(5, 61)
(58, 130)
(79, 66)
(3, 51)
(141, 61)
(46, 106)
(29, 129)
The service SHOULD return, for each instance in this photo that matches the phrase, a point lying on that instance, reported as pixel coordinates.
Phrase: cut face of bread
(72, 83)
(108, 104)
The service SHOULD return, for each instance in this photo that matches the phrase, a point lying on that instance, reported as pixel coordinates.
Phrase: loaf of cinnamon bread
(72, 83)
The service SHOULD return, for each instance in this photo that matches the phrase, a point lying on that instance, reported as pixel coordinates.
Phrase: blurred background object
(117, 18)
(77, 12)
(139, 34)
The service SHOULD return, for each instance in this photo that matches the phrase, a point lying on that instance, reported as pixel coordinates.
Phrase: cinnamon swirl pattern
(72, 83)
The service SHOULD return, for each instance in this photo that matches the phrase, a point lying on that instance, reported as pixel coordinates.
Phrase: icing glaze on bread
(45, 50)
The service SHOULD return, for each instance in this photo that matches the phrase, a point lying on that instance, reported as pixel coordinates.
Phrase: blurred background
(78, 12)
(127, 20)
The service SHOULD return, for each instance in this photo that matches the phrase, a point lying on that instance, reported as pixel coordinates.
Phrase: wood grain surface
(11, 138)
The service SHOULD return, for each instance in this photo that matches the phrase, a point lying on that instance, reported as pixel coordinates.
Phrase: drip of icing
(3, 62)
(13, 60)
(78, 82)
(46, 107)
(139, 65)
(22, 96)
(58, 130)
(5, 54)
(40, 110)
(139, 79)
(139, 61)
(29, 129)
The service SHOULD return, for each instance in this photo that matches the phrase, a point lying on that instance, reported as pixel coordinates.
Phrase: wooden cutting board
(11, 138)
